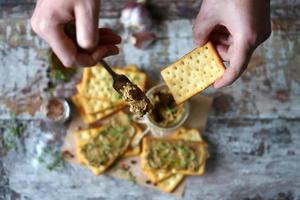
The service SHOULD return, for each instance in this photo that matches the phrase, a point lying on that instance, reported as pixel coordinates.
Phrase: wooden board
(199, 110)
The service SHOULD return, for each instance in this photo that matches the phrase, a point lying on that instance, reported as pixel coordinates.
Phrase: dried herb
(131, 177)
(7, 144)
(15, 127)
(14, 130)
(172, 109)
(125, 169)
(53, 160)
(105, 145)
(58, 162)
(59, 76)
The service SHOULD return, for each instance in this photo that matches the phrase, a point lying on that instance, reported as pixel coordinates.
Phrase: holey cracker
(193, 73)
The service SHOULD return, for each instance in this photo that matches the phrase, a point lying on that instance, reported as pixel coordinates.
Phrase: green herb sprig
(53, 161)
(14, 130)
(126, 170)
(15, 127)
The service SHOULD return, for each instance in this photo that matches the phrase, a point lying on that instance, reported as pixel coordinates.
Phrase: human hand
(92, 44)
(236, 28)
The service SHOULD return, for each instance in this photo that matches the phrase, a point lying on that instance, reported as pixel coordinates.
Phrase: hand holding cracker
(236, 28)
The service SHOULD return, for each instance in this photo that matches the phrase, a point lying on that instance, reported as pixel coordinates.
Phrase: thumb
(239, 58)
(87, 15)
(202, 28)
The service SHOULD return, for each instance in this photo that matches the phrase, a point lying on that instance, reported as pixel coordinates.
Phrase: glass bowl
(65, 114)
(154, 128)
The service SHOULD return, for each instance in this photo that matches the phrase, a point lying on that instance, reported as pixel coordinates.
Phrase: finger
(85, 59)
(104, 51)
(87, 15)
(66, 50)
(221, 29)
(203, 26)
(239, 59)
(109, 39)
(62, 45)
(106, 31)
(223, 39)
(223, 51)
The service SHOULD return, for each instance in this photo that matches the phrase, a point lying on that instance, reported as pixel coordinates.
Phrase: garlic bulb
(135, 16)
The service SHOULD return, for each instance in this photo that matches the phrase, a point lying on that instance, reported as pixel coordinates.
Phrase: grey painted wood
(160, 9)
(249, 158)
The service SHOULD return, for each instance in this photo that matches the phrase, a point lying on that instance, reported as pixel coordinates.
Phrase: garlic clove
(142, 40)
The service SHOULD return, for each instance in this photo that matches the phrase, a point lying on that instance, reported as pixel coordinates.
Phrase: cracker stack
(193, 73)
(85, 137)
(168, 180)
(96, 97)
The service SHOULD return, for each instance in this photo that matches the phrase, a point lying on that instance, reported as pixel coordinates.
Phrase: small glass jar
(56, 110)
(154, 128)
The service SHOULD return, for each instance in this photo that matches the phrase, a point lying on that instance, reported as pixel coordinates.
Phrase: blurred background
(253, 127)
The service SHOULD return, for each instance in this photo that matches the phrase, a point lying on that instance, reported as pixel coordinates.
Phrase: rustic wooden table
(253, 129)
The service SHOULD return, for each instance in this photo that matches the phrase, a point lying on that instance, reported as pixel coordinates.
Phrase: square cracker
(171, 182)
(200, 149)
(86, 136)
(96, 105)
(93, 106)
(181, 133)
(95, 117)
(134, 150)
(97, 83)
(78, 104)
(193, 73)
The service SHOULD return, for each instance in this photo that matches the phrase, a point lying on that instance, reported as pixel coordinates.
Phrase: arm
(93, 44)
(236, 27)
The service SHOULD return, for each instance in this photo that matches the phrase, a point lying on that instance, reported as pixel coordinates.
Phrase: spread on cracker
(167, 155)
(174, 156)
(162, 176)
(99, 147)
(105, 145)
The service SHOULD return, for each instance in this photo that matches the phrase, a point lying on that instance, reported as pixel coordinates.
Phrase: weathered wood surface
(166, 9)
(253, 130)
